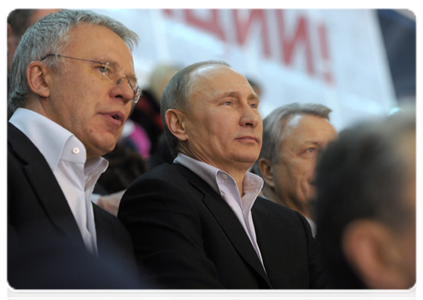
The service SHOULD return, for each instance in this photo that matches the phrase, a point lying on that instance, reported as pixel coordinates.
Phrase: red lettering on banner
(288, 45)
(169, 12)
(242, 30)
(327, 72)
(212, 25)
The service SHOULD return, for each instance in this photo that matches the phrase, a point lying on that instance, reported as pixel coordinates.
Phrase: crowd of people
(183, 185)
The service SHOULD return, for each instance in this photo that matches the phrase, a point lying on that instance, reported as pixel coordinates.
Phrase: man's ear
(371, 250)
(36, 74)
(266, 171)
(175, 121)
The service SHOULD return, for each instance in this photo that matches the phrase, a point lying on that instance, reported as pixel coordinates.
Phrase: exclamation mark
(326, 65)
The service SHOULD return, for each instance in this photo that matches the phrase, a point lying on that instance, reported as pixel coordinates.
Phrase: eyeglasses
(109, 73)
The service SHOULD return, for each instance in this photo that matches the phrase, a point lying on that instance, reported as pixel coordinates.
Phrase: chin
(247, 159)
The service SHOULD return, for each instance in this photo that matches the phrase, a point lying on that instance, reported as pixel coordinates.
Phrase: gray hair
(50, 34)
(274, 127)
(176, 95)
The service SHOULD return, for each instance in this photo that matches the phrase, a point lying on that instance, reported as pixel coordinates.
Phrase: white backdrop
(332, 57)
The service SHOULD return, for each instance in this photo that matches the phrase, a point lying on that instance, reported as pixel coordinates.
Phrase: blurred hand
(111, 202)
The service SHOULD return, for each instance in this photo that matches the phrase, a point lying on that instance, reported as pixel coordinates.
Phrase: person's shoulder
(163, 172)
(278, 213)
(268, 206)
(104, 218)
(109, 225)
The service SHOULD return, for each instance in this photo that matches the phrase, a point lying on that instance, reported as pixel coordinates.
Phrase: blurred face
(13, 40)
(224, 127)
(82, 99)
(305, 137)
(406, 238)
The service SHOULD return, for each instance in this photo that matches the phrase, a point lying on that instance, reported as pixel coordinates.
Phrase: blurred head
(17, 23)
(293, 136)
(256, 87)
(60, 70)
(210, 112)
(160, 77)
(365, 204)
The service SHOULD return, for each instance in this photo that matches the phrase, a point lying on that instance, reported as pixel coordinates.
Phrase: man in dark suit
(72, 82)
(198, 223)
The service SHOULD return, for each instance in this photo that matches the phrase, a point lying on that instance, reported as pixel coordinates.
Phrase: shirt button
(225, 176)
(75, 150)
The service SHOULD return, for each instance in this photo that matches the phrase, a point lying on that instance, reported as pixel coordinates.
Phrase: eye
(105, 69)
(227, 103)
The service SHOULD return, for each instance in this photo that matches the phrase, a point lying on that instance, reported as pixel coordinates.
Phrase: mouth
(115, 117)
(248, 139)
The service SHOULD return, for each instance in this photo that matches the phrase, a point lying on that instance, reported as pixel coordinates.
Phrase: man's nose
(250, 117)
(123, 90)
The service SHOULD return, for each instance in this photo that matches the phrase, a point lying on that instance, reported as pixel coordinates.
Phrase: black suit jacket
(186, 236)
(40, 219)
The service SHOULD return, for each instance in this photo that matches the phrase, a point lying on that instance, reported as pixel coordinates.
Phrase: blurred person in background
(365, 206)
(256, 87)
(17, 21)
(125, 165)
(293, 136)
(146, 113)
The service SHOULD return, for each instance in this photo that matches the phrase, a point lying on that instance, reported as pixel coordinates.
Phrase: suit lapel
(227, 220)
(45, 185)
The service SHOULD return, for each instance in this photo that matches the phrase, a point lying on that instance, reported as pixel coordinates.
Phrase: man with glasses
(71, 89)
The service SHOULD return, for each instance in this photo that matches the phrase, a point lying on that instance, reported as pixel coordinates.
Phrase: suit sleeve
(165, 225)
(319, 278)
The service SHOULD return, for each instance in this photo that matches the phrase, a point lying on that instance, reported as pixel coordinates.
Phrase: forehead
(98, 42)
(304, 127)
(217, 78)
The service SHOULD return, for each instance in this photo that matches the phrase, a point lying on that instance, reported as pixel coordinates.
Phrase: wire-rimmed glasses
(109, 73)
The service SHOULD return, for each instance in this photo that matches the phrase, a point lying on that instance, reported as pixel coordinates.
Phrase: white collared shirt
(225, 185)
(67, 158)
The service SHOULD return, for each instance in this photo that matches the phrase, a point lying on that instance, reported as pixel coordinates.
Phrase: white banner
(331, 57)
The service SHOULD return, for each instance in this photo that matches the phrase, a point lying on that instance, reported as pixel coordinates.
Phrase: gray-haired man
(72, 82)
(293, 136)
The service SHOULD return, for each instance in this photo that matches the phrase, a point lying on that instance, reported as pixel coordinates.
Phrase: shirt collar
(252, 183)
(51, 139)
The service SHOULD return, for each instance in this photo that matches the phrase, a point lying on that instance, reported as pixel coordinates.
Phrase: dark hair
(361, 175)
(125, 165)
(19, 20)
(176, 95)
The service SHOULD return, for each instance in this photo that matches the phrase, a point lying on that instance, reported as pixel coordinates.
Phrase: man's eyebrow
(312, 142)
(116, 66)
(236, 94)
